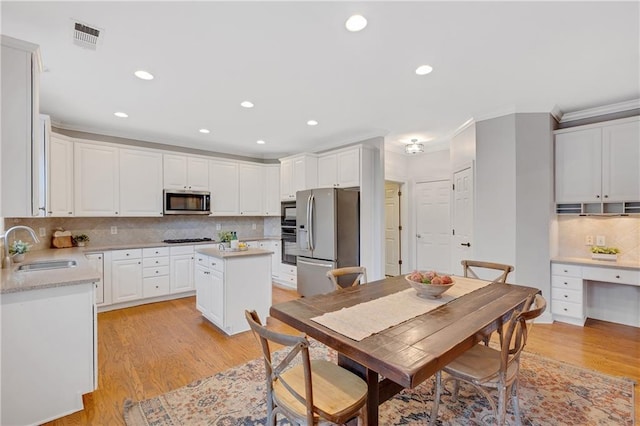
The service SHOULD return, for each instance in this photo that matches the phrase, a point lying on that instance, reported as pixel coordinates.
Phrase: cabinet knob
(157, 272)
(565, 283)
(617, 276)
(157, 286)
(139, 263)
(565, 296)
(606, 196)
(565, 271)
(67, 212)
(597, 196)
(126, 254)
(565, 309)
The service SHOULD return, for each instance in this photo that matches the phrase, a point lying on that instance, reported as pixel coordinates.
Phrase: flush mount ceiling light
(424, 69)
(246, 104)
(312, 123)
(356, 23)
(121, 114)
(414, 147)
(205, 131)
(143, 75)
(260, 142)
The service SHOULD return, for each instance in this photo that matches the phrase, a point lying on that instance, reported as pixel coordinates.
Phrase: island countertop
(12, 280)
(226, 254)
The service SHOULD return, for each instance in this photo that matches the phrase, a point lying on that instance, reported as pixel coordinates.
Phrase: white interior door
(433, 226)
(462, 219)
(392, 228)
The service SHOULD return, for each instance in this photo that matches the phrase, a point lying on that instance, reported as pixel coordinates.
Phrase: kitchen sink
(47, 264)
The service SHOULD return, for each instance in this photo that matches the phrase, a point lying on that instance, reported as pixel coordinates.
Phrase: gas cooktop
(188, 240)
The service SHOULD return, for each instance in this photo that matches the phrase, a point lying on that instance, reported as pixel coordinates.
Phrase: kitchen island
(228, 282)
(48, 338)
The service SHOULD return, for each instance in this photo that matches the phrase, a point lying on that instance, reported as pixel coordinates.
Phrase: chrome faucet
(7, 259)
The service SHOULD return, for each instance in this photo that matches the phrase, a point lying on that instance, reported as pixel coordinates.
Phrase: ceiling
(296, 62)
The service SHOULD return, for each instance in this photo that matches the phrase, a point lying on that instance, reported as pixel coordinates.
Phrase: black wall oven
(288, 231)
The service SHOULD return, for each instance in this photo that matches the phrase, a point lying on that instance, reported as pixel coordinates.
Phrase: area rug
(551, 393)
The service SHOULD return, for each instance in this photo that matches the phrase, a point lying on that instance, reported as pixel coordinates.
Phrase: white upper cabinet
(186, 172)
(598, 163)
(621, 162)
(297, 173)
(340, 169)
(20, 76)
(60, 176)
(223, 184)
(250, 186)
(271, 190)
(140, 183)
(96, 180)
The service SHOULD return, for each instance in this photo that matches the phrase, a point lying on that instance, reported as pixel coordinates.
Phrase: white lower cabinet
(126, 275)
(97, 261)
(288, 275)
(49, 347)
(567, 296)
(181, 269)
(227, 286)
(155, 272)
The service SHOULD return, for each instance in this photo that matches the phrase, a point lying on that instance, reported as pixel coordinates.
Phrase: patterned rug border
(133, 414)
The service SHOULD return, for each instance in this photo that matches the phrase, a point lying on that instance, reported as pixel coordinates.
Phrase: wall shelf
(612, 209)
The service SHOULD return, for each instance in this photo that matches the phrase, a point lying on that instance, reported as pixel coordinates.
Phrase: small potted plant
(81, 240)
(225, 237)
(604, 253)
(17, 250)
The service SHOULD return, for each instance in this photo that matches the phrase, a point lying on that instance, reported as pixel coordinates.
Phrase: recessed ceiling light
(247, 104)
(424, 69)
(356, 23)
(143, 75)
(260, 142)
(121, 114)
(204, 131)
(312, 123)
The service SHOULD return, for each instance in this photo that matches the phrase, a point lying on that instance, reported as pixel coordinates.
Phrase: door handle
(466, 244)
(322, 265)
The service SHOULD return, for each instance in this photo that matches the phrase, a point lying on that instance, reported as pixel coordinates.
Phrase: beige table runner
(360, 321)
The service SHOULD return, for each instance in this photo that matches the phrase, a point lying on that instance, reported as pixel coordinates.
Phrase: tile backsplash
(620, 232)
(145, 229)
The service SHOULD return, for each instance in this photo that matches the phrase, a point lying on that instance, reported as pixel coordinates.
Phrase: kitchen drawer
(178, 250)
(126, 254)
(155, 272)
(155, 251)
(567, 309)
(252, 244)
(155, 286)
(150, 262)
(288, 269)
(566, 270)
(573, 296)
(288, 278)
(202, 260)
(611, 275)
(216, 264)
(571, 283)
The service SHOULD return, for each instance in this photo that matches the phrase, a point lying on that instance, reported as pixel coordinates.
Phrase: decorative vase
(18, 257)
(81, 243)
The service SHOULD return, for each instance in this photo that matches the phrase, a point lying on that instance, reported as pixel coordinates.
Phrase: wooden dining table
(408, 353)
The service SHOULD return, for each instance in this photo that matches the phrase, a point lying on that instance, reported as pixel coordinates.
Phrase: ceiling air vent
(85, 36)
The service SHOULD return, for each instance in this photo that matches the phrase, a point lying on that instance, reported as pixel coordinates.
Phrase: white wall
(495, 191)
(463, 148)
(372, 208)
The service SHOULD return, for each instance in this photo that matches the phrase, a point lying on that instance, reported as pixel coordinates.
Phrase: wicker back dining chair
(487, 368)
(360, 273)
(469, 271)
(312, 391)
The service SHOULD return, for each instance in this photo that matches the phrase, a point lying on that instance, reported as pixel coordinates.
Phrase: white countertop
(12, 281)
(225, 254)
(593, 262)
(104, 247)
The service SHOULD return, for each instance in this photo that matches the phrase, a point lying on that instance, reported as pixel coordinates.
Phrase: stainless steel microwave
(178, 201)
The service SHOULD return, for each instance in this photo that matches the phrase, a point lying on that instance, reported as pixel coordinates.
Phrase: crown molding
(464, 126)
(601, 110)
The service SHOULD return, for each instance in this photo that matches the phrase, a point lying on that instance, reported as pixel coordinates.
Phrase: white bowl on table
(430, 291)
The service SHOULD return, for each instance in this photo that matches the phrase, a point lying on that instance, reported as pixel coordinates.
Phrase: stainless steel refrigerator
(328, 224)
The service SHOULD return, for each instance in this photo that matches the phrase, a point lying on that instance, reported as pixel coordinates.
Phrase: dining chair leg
(436, 399)
(501, 412)
(456, 387)
(515, 402)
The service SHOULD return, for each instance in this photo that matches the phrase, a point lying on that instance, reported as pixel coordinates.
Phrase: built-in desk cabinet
(607, 293)
(597, 167)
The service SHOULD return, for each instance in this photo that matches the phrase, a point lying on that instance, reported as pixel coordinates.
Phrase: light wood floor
(151, 349)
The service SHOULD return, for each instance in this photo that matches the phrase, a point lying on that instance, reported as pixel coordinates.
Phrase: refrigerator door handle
(309, 222)
(324, 265)
(311, 227)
